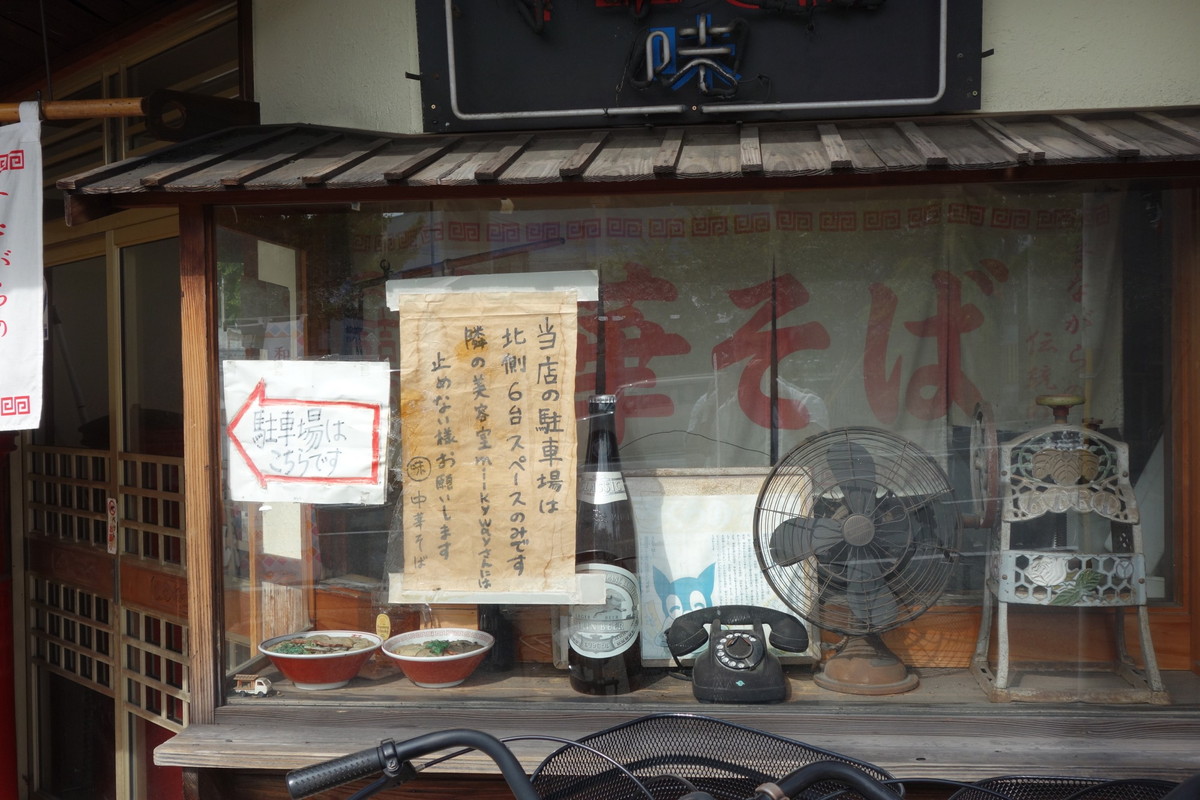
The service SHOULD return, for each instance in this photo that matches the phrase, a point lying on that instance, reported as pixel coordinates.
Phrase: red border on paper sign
(259, 395)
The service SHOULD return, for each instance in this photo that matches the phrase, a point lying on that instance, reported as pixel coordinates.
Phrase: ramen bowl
(315, 660)
(434, 659)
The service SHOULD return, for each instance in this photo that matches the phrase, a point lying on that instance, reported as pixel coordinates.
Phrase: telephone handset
(737, 667)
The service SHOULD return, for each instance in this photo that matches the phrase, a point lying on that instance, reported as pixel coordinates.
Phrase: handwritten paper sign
(21, 288)
(307, 431)
(489, 441)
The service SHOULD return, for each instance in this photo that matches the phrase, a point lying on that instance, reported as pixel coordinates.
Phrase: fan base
(866, 666)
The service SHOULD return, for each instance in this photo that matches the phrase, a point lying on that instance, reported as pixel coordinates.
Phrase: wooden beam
(1105, 141)
(100, 173)
(583, 156)
(206, 158)
(934, 156)
(269, 164)
(666, 160)
(751, 150)
(835, 148)
(503, 158)
(78, 109)
(1035, 153)
(1171, 126)
(353, 158)
(419, 160)
(1184, 433)
(1018, 149)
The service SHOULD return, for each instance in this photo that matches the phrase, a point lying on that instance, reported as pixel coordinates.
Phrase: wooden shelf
(946, 728)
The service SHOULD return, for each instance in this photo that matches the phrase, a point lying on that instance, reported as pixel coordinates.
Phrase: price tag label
(112, 526)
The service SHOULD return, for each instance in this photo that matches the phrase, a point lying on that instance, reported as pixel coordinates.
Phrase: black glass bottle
(605, 644)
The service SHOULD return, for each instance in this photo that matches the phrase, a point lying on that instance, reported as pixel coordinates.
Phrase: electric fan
(855, 531)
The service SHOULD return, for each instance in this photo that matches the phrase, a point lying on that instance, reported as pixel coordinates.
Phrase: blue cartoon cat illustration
(684, 594)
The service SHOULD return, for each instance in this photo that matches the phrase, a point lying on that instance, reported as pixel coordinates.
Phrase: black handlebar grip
(307, 781)
(392, 758)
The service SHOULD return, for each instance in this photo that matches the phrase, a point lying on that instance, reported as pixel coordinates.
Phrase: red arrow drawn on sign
(259, 398)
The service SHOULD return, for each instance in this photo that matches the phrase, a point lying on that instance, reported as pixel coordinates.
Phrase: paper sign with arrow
(306, 431)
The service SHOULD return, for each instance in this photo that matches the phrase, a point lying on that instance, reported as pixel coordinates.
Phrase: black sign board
(528, 64)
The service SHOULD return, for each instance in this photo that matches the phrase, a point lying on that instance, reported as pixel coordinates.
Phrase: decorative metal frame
(1060, 469)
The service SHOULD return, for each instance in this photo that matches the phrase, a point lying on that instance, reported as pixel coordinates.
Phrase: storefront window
(152, 373)
(77, 357)
(732, 328)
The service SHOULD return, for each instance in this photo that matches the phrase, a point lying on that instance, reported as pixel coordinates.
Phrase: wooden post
(204, 564)
(8, 698)
(1185, 402)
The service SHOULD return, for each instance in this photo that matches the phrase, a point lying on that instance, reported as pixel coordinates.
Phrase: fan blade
(893, 523)
(801, 537)
(893, 535)
(870, 599)
(854, 470)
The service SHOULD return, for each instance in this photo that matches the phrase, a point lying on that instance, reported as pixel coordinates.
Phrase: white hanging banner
(21, 288)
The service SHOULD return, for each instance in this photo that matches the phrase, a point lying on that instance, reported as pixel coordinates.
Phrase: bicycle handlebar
(389, 756)
(392, 758)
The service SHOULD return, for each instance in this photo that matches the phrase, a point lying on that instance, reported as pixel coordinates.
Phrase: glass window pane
(206, 65)
(178, 67)
(75, 411)
(151, 348)
(77, 760)
(733, 328)
(70, 147)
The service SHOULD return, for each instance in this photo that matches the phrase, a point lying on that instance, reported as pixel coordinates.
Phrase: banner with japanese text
(732, 332)
(22, 292)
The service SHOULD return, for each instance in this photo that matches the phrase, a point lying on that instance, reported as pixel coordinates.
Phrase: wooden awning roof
(289, 163)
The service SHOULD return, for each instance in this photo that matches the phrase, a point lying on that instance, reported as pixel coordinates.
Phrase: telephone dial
(737, 667)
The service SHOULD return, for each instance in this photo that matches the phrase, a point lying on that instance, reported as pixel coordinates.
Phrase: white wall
(342, 62)
(1081, 54)
(337, 62)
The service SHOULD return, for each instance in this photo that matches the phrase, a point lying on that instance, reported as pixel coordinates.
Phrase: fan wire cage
(855, 529)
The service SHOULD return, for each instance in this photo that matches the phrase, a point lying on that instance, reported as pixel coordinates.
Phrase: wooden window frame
(1044, 733)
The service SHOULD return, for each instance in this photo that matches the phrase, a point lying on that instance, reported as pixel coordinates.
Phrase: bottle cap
(602, 404)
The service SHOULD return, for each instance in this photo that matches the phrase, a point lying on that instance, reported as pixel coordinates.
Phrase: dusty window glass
(733, 328)
(152, 374)
(76, 413)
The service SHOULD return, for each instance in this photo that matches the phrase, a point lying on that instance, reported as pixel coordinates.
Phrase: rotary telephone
(737, 667)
